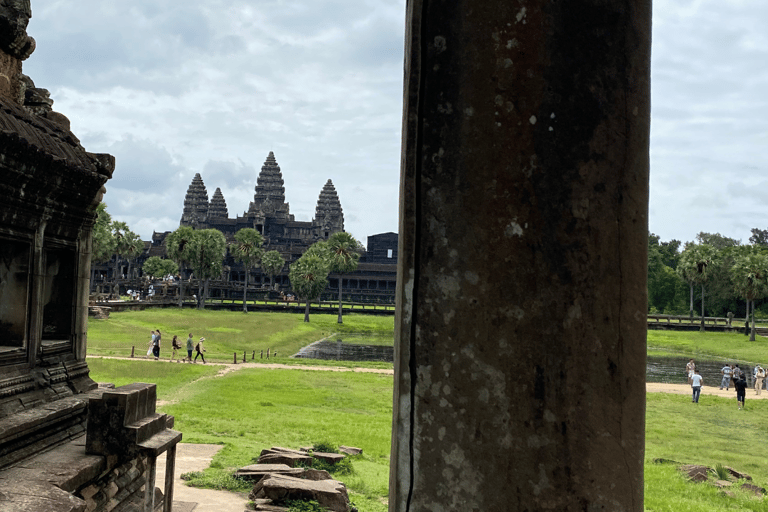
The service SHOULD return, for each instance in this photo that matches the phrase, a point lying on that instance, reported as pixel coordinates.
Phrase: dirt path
(197, 457)
(685, 389)
(230, 367)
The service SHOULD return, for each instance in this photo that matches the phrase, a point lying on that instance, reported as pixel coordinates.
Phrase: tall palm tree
(247, 250)
(272, 263)
(127, 244)
(694, 267)
(178, 245)
(309, 275)
(344, 254)
(750, 279)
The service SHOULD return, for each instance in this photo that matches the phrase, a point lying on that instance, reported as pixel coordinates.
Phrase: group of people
(154, 347)
(731, 374)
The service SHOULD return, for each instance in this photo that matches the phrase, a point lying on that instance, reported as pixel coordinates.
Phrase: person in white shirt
(696, 381)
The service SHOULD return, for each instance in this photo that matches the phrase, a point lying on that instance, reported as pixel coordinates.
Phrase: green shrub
(324, 447)
(303, 506)
(722, 473)
(216, 480)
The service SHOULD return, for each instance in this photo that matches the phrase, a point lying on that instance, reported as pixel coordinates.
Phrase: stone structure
(520, 331)
(268, 213)
(50, 187)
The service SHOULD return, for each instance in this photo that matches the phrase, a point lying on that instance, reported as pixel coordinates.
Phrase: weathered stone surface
(316, 474)
(350, 450)
(330, 458)
(256, 472)
(526, 131)
(722, 483)
(278, 455)
(738, 474)
(696, 472)
(757, 490)
(330, 494)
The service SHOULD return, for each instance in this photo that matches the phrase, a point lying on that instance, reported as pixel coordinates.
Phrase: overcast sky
(173, 88)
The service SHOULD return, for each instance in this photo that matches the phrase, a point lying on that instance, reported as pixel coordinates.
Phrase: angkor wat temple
(268, 213)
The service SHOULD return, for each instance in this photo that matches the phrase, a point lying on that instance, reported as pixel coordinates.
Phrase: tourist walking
(151, 346)
(190, 347)
(726, 373)
(759, 376)
(199, 349)
(696, 382)
(741, 389)
(156, 346)
(689, 368)
(176, 347)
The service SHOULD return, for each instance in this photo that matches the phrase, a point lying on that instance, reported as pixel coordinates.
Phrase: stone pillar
(520, 331)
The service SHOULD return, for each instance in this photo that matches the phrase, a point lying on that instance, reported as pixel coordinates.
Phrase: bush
(303, 506)
(324, 447)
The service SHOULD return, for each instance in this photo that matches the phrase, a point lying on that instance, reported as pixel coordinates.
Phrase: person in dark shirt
(741, 389)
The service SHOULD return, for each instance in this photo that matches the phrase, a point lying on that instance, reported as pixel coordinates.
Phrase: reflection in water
(338, 351)
(672, 370)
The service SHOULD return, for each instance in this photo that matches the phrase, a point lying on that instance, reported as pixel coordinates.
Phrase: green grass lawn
(225, 332)
(252, 409)
(708, 345)
(712, 432)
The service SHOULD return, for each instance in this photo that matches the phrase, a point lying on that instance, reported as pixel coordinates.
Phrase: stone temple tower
(218, 207)
(269, 199)
(329, 217)
(195, 204)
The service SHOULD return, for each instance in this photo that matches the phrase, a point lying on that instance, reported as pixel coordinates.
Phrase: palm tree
(309, 275)
(127, 243)
(103, 243)
(178, 245)
(247, 250)
(750, 279)
(344, 255)
(695, 261)
(272, 263)
(207, 250)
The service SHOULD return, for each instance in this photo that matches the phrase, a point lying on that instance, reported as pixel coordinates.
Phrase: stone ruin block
(330, 494)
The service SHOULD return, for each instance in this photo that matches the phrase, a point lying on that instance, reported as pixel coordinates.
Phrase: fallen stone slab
(738, 474)
(696, 472)
(283, 450)
(256, 472)
(316, 474)
(330, 494)
(756, 490)
(330, 458)
(350, 450)
(289, 459)
(266, 505)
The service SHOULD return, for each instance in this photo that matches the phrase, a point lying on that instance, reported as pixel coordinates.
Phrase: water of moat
(353, 347)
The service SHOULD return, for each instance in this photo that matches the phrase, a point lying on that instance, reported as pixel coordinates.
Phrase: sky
(172, 88)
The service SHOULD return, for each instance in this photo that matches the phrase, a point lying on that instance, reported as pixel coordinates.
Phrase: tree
(309, 274)
(343, 256)
(759, 237)
(127, 244)
(750, 279)
(247, 250)
(178, 245)
(272, 263)
(156, 267)
(207, 250)
(103, 243)
(695, 262)
(716, 240)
